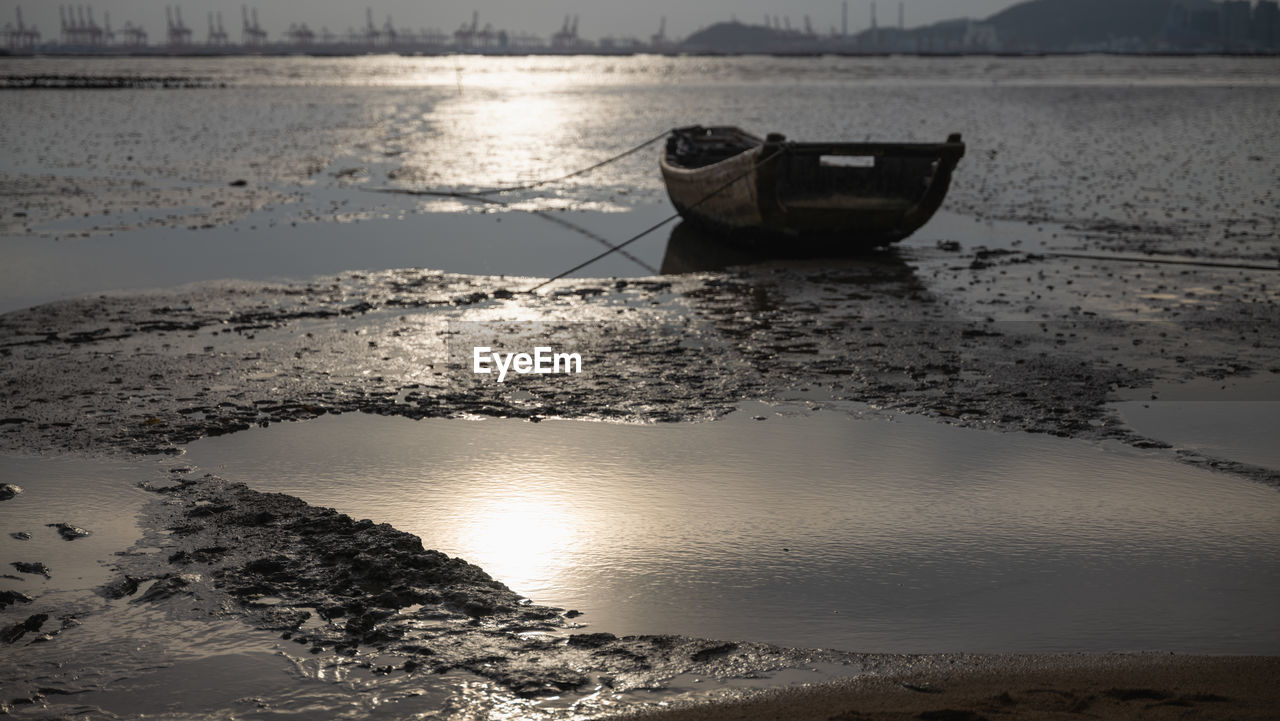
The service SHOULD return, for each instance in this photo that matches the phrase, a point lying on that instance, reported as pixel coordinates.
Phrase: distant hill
(735, 37)
(1066, 24)
(1034, 26)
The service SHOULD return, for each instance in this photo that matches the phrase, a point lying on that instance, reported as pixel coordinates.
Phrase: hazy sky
(597, 18)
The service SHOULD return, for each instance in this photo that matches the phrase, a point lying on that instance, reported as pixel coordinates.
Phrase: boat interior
(698, 147)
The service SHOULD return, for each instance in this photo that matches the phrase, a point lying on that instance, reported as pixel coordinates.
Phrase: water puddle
(97, 496)
(405, 232)
(274, 244)
(835, 528)
(95, 657)
(1235, 430)
(90, 650)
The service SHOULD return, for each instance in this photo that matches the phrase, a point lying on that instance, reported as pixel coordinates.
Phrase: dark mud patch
(105, 82)
(69, 532)
(32, 625)
(57, 206)
(360, 590)
(9, 598)
(34, 568)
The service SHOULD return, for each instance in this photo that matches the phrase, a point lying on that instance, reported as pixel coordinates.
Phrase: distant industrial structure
(79, 27)
(20, 37)
(179, 34)
(217, 34)
(251, 33)
(1035, 26)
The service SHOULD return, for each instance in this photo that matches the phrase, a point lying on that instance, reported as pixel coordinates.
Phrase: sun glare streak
(504, 124)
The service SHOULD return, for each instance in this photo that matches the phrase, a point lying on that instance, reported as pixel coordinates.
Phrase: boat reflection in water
(692, 250)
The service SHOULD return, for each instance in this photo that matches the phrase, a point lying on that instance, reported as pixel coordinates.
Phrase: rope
(661, 223)
(602, 163)
(1164, 261)
(541, 214)
(599, 239)
(476, 194)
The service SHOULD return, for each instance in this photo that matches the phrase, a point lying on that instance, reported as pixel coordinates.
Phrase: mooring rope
(540, 213)
(661, 223)
(475, 194)
(584, 171)
(1154, 259)
(479, 195)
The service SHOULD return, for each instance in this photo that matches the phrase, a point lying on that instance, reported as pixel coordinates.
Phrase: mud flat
(1143, 273)
(277, 588)
(146, 374)
(258, 604)
(1037, 345)
(1002, 341)
(331, 583)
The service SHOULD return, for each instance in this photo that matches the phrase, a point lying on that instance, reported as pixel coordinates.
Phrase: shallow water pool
(831, 528)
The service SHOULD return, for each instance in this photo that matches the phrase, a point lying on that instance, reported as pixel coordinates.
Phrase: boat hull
(807, 194)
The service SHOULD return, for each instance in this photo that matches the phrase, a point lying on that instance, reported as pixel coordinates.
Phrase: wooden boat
(853, 196)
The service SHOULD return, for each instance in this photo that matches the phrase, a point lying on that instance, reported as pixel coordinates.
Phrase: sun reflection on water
(807, 530)
(524, 533)
(503, 125)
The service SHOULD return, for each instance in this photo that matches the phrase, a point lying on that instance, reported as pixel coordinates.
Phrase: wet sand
(1033, 688)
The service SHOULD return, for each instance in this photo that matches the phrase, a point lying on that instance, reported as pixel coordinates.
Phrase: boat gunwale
(944, 150)
(667, 165)
(947, 150)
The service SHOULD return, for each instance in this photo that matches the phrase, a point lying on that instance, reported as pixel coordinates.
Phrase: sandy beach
(1019, 466)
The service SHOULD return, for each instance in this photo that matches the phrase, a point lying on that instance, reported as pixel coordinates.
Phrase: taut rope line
(478, 196)
(601, 164)
(661, 223)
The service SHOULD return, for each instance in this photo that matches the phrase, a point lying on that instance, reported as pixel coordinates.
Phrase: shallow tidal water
(836, 528)
(1238, 429)
(132, 188)
(400, 235)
